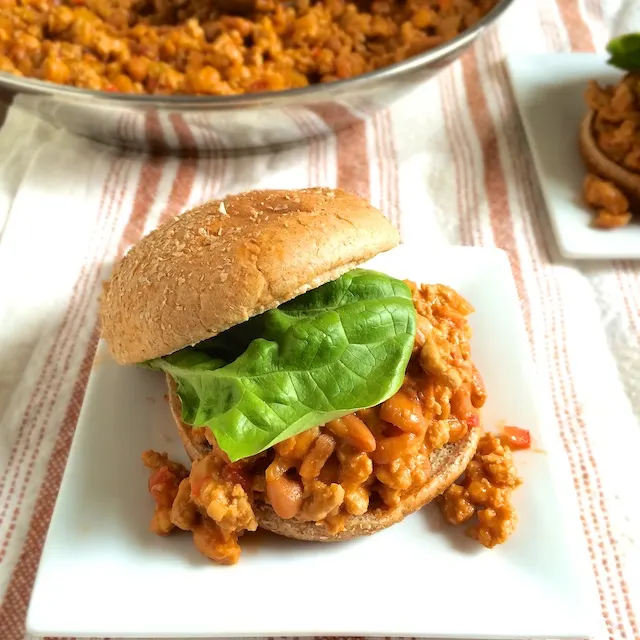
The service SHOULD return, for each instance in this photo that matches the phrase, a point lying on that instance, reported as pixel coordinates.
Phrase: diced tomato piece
(160, 476)
(516, 438)
(163, 486)
(473, 420)
(237, 474)
(196, 482)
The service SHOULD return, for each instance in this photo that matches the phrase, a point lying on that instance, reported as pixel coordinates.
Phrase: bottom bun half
(447, 464)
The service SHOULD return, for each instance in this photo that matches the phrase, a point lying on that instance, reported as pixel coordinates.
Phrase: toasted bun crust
(225, 261)
(447, 464)
(194, 451)
(599, 164)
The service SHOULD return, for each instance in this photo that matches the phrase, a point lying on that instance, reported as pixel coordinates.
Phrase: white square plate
(549, 90)
(103, 573)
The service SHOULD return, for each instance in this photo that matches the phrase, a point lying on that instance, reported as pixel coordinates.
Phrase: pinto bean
(285, 496)
(356, 432)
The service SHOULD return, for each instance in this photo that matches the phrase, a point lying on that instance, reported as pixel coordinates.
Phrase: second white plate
(549, 90)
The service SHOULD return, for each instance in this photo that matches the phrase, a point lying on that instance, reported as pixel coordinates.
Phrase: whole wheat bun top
(225, 261)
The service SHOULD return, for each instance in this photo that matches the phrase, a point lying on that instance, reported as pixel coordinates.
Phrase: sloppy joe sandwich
(316, 399)
(610, 139)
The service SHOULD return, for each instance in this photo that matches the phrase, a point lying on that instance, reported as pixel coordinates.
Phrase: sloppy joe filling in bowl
(233, 75)
(220, 47)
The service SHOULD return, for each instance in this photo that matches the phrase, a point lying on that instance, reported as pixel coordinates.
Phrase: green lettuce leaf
(625, 52)
(341, 347)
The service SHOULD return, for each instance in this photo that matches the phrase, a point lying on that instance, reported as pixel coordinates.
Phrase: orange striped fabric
(448, 164)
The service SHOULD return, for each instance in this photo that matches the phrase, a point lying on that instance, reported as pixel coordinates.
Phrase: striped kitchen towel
(448, 164)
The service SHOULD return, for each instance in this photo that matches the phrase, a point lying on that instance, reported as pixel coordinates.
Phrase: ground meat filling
(610, 204)
(164, 484)
(368, 460)
(485, 490)
(616, 128)
(211, 502)
(219, 47)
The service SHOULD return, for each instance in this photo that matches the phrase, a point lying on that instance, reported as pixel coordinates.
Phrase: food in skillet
(315, 399)
(220, 47)
(610, 139)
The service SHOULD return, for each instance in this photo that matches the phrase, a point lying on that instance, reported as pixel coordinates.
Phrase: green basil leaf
(341, 347)
(625, 52)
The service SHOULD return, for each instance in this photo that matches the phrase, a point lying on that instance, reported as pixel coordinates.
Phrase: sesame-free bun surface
(599, 164)
(225, 261)
(447, 464)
